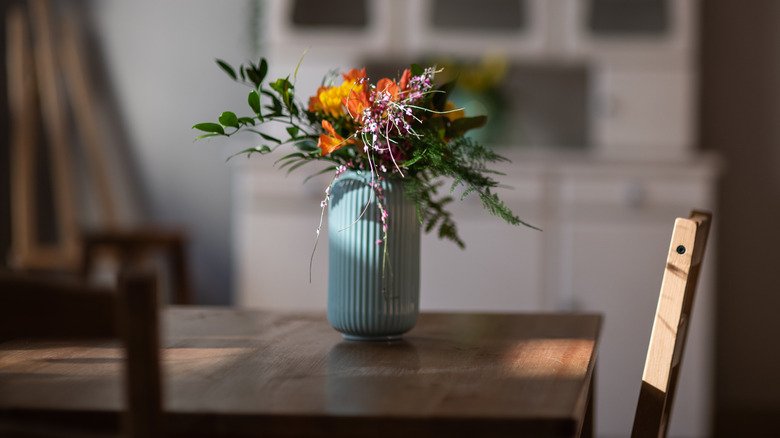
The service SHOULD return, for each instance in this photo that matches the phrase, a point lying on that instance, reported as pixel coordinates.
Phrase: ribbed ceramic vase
(373, 294)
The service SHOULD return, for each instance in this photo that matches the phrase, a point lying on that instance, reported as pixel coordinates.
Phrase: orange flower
(354, 75)
(388, 86)
(314, 101)
(331, 141)
(405, 78)
(356, 102)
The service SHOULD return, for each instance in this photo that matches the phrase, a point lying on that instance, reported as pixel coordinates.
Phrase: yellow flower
(330, 99)
(452, 112)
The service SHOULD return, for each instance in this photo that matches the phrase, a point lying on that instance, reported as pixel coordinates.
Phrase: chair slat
(670, 326)
(56, 308)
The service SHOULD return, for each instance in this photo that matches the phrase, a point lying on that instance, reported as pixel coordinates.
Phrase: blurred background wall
(740, 110)
(159, 60)
(154, 60)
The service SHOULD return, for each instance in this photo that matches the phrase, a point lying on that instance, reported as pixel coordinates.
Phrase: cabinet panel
(606, 28)
(643, 111)
(619, 18)
(500, 271)
(288, 28)
(433, 29)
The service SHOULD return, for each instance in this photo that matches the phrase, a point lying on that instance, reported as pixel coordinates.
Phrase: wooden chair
(672, 319)
(46, 57)
(45, 308)
(133, 247)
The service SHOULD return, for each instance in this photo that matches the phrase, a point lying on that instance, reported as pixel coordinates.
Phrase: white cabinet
(642, 110)
(502, 267)
(519, 29)
(640, 58)
(614, 227)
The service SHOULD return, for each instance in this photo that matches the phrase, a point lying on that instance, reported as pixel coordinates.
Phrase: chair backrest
(134, 246)
(32, 307)
(670, 326)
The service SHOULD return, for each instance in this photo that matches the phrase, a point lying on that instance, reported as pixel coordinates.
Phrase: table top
(238, 371)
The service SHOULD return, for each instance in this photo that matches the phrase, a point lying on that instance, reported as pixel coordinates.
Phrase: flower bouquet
(395, 128)
(390, 146)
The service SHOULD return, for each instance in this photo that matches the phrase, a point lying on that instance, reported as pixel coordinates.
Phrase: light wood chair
(32, 307)
(670, 326)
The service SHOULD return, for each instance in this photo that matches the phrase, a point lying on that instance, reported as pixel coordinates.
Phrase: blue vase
(373, 288)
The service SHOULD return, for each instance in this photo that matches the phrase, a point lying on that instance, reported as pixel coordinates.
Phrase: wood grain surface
(248, 372)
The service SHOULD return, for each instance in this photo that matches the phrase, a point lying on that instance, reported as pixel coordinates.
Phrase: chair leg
(181, 289)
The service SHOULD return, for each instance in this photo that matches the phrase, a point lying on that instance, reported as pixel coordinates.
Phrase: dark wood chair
(136, 246)
(672, 319)
(33, 307)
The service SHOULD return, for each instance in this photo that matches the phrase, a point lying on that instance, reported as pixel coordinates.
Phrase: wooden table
(248, 372)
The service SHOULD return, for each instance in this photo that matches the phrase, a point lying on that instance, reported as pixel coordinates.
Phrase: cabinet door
(655, 28)
(502, 268)
(500, 271)
(642, 111)
(353, 26)
(468, 28)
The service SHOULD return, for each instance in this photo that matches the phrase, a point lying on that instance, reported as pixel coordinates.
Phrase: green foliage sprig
(394, 128)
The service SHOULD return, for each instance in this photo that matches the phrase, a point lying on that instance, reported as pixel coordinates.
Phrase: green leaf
(309, 146)
(292, 107)
(289, 159)
(246, 121)
(293, 131)
(269, 138)
(413, 160)
(254, 101)
(283, 87)
(297, 165)
(256, 150)
(229, 118)
(254, 77)
(276, 107)
(210, 127)
(458, 127)
(262, 69)
(436, 125)
(280, 85)
(417, 70)
(227, 68)
(440, 98)
(207, 136)
(321, 172)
